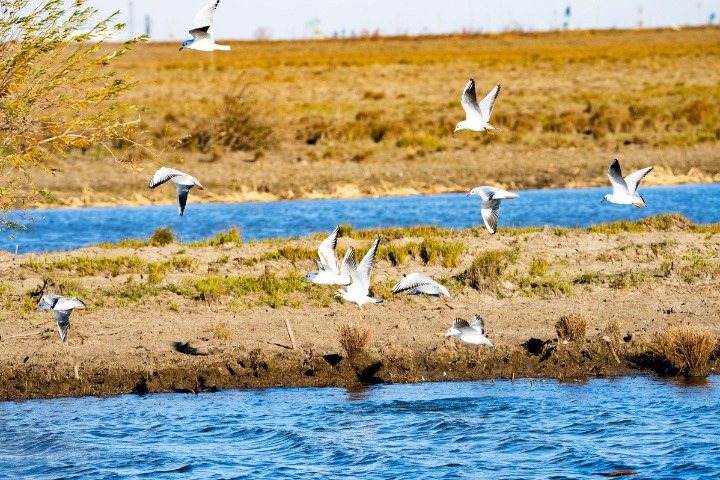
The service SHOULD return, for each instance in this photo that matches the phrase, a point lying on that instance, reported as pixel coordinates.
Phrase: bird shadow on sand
(187, 349)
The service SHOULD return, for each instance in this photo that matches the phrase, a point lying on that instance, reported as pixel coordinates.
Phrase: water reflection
(359, 393)
(688, 382)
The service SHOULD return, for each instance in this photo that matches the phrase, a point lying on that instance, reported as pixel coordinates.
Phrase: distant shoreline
(266, 197)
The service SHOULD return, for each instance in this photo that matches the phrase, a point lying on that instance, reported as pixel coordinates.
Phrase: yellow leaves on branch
(57, 91)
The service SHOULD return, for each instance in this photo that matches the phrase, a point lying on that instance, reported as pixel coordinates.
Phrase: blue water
(467, 430)
(63, 229)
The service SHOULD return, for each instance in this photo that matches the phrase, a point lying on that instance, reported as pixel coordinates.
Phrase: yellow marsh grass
(685, 349)
(487, 269)
(572, 99)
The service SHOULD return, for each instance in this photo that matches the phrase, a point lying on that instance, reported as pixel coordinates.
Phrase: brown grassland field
(313, 119)
(375, 116)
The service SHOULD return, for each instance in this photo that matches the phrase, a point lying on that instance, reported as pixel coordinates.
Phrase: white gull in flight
(490, 204)
(625, 189)
(470, 333)
(62, 308)
(417, 283)
(329, 273)
(359, 288)
(477, 115)
(202, 33)
(183, 181)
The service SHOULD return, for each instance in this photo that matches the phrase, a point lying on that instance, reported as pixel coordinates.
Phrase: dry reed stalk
(685, 348)
(354, 338)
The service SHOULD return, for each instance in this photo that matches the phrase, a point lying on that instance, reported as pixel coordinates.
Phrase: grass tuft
(161, 237)
(662, 223)
(684, 349)
(487, 269)
(538, 267)
(354, 339)
(571, 328)
(397, 254)
(448, 253)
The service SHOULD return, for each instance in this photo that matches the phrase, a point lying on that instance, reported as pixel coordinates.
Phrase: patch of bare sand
(140, 336)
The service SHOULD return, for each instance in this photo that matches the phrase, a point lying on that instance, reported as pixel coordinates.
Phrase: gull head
(474, 191)
(311, 276)
(606, 198)
(186, 44)
(452, 331)
(459, 126)
(44, 306)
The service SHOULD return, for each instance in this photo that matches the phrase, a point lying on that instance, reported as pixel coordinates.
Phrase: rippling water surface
(62, 229)
(661, 430)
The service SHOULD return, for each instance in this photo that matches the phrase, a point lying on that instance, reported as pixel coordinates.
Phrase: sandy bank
(193, 318)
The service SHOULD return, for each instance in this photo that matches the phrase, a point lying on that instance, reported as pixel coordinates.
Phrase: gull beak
(602, 201)
(181, 48)
(469, 194)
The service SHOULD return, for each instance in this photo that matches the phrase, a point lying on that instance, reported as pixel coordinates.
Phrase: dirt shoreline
(308, 369)
(212, 316)
(280, 176)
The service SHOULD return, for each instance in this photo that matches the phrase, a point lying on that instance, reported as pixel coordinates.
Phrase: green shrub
(161, 237)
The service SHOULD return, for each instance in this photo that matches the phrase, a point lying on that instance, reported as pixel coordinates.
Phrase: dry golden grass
(571, 328)
(281, 109)
(354, 338)
(685, 349)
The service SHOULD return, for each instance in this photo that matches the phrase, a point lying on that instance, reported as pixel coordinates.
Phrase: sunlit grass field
(372, 116)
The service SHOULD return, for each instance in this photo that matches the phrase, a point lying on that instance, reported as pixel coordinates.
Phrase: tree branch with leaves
(58, 91)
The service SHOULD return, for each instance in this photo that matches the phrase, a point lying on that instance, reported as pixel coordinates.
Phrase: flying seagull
(183, 181)
(625, 189)
(490, 204)
(359, 288)
(329, 273)
(470, 333)
(477, 115)
(202, 36)
(417, 283)
(62, 308)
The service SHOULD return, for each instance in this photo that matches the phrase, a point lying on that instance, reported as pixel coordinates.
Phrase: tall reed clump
(684, 349)
(354, 338)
